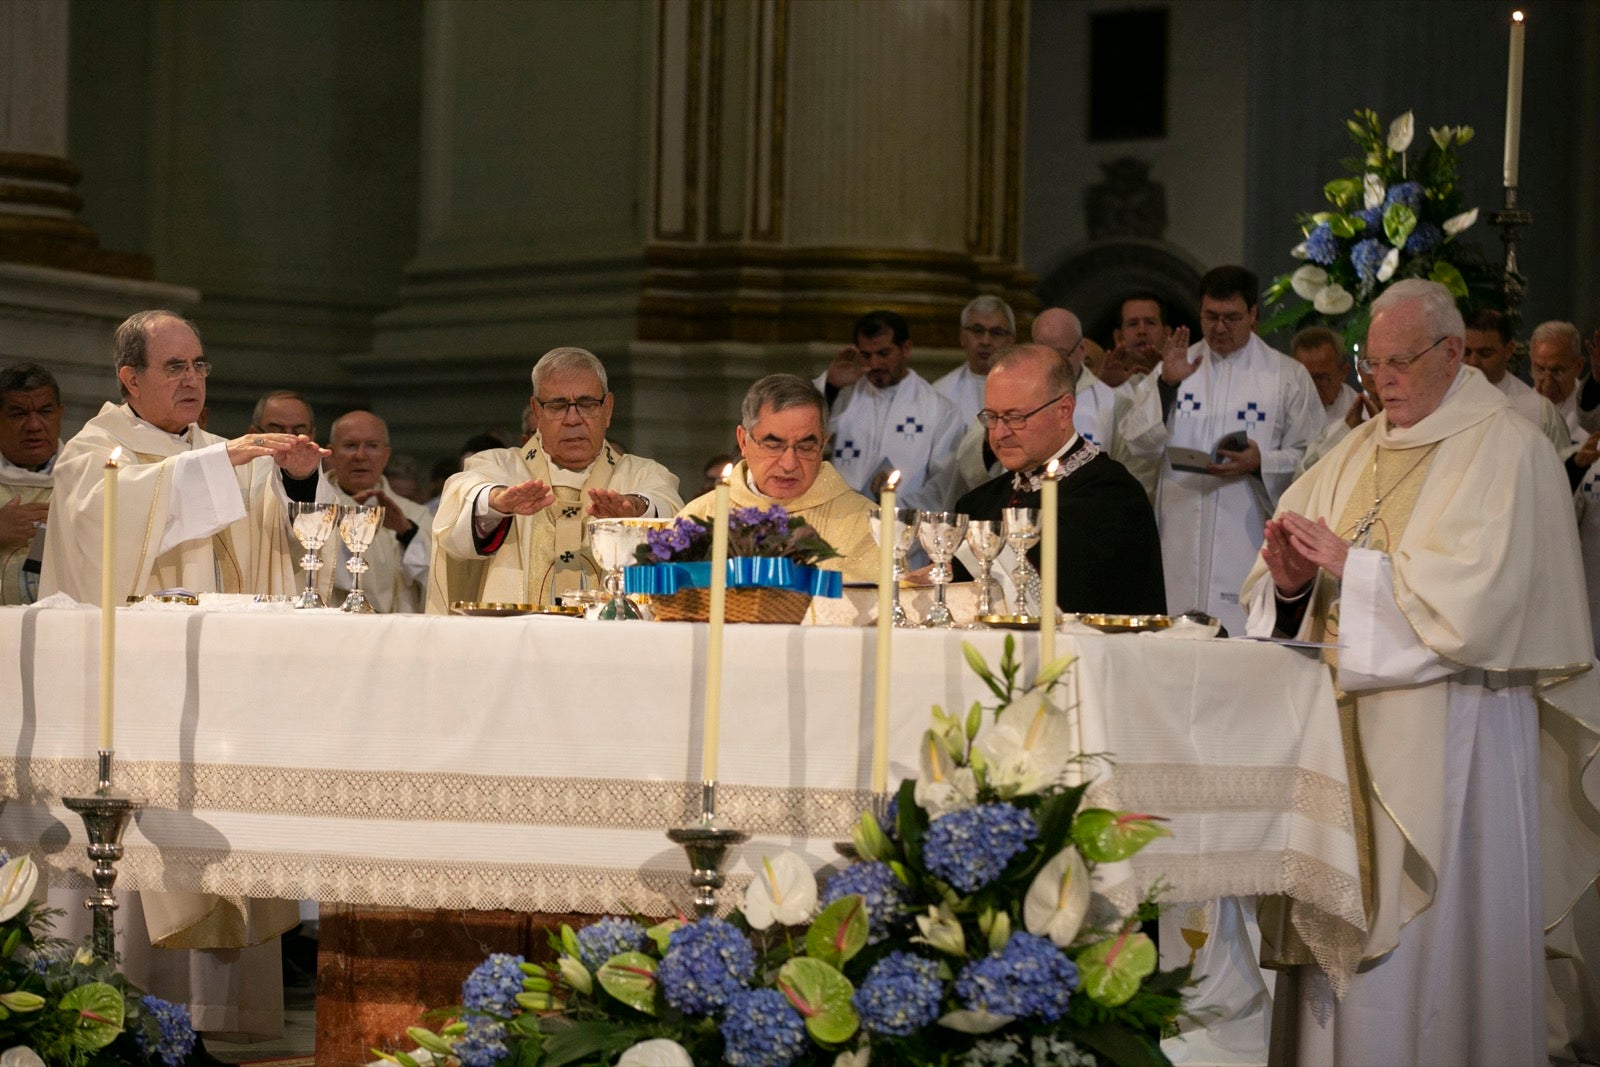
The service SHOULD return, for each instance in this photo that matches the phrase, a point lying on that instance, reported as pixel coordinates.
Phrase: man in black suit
(1110, 554)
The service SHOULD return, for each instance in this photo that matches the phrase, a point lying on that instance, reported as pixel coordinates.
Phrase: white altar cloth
(534, 763)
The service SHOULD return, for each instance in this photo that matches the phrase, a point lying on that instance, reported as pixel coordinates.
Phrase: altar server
(1422, 548)
(510, 525)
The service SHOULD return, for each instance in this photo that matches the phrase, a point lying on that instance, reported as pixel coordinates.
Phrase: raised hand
(1175, 365)
(528, 498)
(393, 518)
(847, 367)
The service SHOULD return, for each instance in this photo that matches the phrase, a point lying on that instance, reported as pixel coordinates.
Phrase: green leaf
(431, 1041)
(659, 933)
(822, 995)
(631, 978)
(1398, 222)
(587, 1041)
(1448, 276)
(99, 1009)
(839, 932)
(1278, 290)
(405, 1060)
(1285, 318)
(1108, 836)
(913, 823)
(1120, 1045)
(1054, 816)
(1112, 970)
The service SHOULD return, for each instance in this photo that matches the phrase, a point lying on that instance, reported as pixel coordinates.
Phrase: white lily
(657, 1052)
(1308, 281)
(1300, 251)
(1058, 899)
(784, 891)
(1442, 135)
(941, 930)
(1372, 190)
(1401, 132)
(17, 879)
(1390, 264)
(20, 1056)
(1456, 223)
(974, 1022)
(861, 1057)
(1334, 300)
(1027, 748)
(575, 974)
(943, 787)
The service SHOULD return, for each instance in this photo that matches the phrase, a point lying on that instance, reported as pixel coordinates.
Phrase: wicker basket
(754, 603)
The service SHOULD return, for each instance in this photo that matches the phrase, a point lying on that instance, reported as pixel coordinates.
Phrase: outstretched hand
(528, 498)
(295, 453)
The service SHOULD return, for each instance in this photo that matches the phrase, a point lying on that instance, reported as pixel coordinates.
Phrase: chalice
(358, 525)
(905, 535)
(614, 543)
(940, 533)
(313, 525)
(986, 538)
(1022, 533)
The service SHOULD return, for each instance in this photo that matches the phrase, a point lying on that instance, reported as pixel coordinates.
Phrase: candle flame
(115, 459)
(1517, 16)
(894, 479)
(1052, 469)
(727, 473)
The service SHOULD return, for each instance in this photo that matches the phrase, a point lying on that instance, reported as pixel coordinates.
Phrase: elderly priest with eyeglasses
(1423, 550)
(782, 437)
(510, 527)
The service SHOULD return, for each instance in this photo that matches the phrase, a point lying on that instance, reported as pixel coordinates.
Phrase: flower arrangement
(966, 933)
(65, 1007)
(1393, 217)
(751, 532)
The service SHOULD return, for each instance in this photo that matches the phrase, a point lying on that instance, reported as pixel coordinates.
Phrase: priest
(30, 438)
(1110, 555)
(510, 526)
(783, 434)
(1422, 549)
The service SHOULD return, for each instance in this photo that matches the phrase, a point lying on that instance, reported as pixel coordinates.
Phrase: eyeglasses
(175, 370)
(1012, 420)
(1398, 364)
(1211, 318)
(807, 448)
(557, 409)
(999, 333)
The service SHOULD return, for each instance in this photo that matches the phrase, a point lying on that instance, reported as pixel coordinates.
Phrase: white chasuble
(964, 389)
(19, 562)
(908, 427)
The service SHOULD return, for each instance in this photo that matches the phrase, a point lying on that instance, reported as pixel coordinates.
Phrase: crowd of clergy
(1422, 509)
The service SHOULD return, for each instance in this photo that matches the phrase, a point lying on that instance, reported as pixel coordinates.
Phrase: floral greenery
(966, 933)
(1393, 217)
(64, 1007)
(751, 532)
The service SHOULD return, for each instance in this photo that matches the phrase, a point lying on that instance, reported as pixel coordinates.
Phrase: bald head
(1060, 329)
(1032, 383)
(360, 444)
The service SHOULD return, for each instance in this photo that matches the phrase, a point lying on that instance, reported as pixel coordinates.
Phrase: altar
(534, 764)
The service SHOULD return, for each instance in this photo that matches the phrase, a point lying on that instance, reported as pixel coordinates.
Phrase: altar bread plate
(1125, 624)
(1010, 622)
(490, 610)
(565, 611)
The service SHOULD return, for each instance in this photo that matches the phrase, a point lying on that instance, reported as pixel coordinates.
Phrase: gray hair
(1562, 333)
(1060, 375)
(26, 377)
(1316, 337)
(282, 394)
(780, 392)
(1434, 303)
(988, 304)
(565, 360)
(131, 337)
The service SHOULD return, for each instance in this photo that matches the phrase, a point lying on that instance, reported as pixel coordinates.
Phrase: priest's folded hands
(1295, 548)
(295, 453)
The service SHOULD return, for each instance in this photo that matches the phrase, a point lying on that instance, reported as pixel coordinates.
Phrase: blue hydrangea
(885, 893)
(484, 1043)
(900, 995)
(1322, 246)
(1407, 193)
(762, 1029)
(706, 963)
(1367, 257)
(1371, 218)
(173, 1037)
(1424, 238)
(1028, 979)
(493, 985)
(610, 936)
(970, 848)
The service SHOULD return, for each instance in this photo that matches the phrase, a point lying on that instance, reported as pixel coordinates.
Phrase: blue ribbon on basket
(664, 579)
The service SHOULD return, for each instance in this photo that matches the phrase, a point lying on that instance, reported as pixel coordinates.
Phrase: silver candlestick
(1509, 219)
(105, 815)
(707, 845)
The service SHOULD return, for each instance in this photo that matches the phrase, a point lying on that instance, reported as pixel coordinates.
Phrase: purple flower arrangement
(751, 532)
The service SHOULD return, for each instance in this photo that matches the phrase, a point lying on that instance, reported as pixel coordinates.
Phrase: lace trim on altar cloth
(1175, 788)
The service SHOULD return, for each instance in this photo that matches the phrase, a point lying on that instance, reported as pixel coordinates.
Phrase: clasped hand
(1294, 549)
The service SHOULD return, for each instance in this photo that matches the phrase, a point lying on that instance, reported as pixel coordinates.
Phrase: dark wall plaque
(1127, 74)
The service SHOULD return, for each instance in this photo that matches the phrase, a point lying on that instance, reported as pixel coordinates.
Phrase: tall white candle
(1514, 99)
(108, 602)
(719, 600)
(886, 591)
(1047, 563)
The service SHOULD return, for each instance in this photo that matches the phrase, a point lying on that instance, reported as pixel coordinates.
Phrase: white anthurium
(1372, 190)
(784, 891)
(1401, 132)
(17, 879)
(1058, 899)
(657, 1052)
(941, 930)
(1027, 749)
(1308, 281)
(1390, 264)
(1334, 300)
(861, 1057)
(20, 1056)
(1456, 223)
(974, 1022)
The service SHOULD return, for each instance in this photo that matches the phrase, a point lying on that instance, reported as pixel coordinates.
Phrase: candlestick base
(707, 846)
(105, 813)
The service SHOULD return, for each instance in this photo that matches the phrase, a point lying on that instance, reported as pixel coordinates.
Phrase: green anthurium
(99, 1009)
(1112, 970)
(1398, 222)
(839, 932)
(1345, 225)
(1108, 836)
(631, 978)
(822, 997)
(1448, 276)
(1341, 191)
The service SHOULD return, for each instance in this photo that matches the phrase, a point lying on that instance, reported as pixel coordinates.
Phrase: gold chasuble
(840, 514)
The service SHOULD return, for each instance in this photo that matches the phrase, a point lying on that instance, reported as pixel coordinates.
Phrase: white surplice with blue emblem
(1211, 526)
(910, 425)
